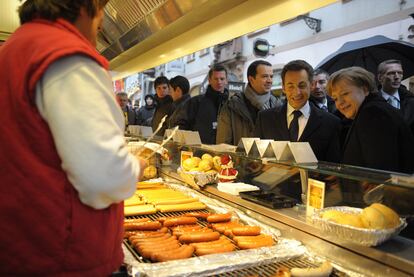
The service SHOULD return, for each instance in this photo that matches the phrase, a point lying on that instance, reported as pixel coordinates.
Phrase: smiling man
(298, 120)
(237, 117)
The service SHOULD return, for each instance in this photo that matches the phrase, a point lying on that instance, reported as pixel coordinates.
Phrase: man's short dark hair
(297, 65)
(320, 71)
(252, 69)
(161, 80)
(181, 82)
(216, 67)
(382, 65)
(54, 9)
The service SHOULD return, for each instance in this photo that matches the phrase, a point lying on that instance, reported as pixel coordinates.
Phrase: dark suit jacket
(321, 131)
(330, 104)
(379, 138)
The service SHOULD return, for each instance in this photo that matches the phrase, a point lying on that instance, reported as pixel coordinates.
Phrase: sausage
(180, 232)
(183, 220)
(214, 218)
(142, 226)
(158, 246)
(198, 214)
(222, 240)
(153, 240)
(255, 243)
(222, 227)
(249, 238)
(186, 227)
(144, 219)
(147, 252)
(198, 237)
(324, 270)
(200, 251)
(134, 240)
(185, 251)
(152, 244)
(141, 236)
(246, 231)
(144, 234)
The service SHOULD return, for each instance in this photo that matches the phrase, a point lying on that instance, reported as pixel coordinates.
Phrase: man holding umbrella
(390, 74)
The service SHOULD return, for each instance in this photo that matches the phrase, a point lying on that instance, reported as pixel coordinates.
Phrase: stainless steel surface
(129, 22)
(394, 258)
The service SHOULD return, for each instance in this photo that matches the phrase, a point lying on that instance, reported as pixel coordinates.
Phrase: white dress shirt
(396, 99)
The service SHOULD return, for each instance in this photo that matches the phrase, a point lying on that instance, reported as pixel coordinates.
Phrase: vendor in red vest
(64, 166)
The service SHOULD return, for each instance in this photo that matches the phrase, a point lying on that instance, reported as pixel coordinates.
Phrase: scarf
(259, 101)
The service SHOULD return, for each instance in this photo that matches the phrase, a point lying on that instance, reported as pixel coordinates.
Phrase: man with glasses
(298, 120)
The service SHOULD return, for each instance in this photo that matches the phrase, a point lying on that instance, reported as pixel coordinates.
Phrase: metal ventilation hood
(129, 22)
(140, 34)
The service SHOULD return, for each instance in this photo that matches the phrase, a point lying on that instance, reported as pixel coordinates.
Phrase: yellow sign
(315, 196)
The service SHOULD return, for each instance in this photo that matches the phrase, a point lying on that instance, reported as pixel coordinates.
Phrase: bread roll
(392, 219)
(373, 218)
(351, 220)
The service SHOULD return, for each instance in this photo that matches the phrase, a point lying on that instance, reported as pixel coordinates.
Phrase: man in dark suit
(390, 75)
(130, 114)
(319, 96)
(298, 120)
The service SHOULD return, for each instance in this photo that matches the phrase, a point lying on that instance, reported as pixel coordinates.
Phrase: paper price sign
(315, 196)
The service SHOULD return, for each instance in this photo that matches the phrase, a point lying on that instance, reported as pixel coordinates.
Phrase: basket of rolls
(145, 150)
(369, 227)
(198, 172)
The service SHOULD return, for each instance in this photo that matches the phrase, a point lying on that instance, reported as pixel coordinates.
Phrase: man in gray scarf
(238, 115)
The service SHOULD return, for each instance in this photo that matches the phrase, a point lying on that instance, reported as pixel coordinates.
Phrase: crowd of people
(347, 117)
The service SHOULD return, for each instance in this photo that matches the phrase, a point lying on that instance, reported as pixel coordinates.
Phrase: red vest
(44, 228)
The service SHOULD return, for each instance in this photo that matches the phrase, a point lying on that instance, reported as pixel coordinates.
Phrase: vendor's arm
(76, 100)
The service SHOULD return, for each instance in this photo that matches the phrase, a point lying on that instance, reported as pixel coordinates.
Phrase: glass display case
(281, 198)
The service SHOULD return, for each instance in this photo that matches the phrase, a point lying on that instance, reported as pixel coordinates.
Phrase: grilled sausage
(198, 237)
(183, 220)
(142, 226)
(214, 218)
(181, 232)
(214, 249)
(246, 231)
(255, 243)
(147, 252)
(222, 227)
(198, 215)
(185, 251)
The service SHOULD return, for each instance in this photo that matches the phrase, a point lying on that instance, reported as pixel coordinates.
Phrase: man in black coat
(164, 103)
(390, 75)
(319, 96)
(202, 110)
(298, 120)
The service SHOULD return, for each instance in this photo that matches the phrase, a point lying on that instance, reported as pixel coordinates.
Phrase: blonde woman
(378, 138)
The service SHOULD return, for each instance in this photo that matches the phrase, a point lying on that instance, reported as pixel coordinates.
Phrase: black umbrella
(369, 53)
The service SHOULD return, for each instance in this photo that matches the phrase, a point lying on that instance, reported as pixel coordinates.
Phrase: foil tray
(197, 179)
(361, 236)
(284, 249)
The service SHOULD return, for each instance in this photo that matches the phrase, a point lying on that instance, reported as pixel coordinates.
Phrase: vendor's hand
(142, 165)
